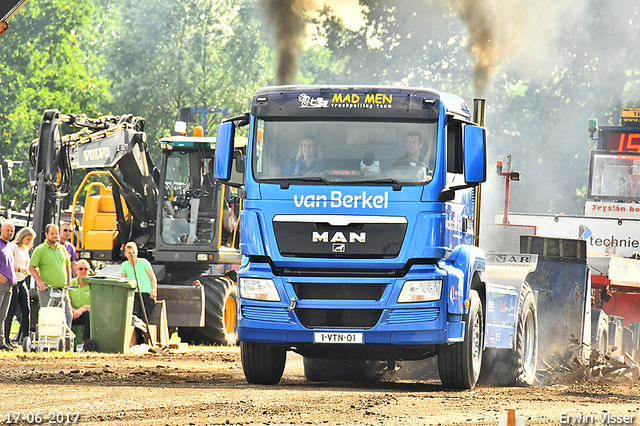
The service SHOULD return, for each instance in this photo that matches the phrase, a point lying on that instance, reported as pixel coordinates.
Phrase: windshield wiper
(397, 186)
(286, 182)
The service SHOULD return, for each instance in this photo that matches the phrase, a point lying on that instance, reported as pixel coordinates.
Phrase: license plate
(339, 338)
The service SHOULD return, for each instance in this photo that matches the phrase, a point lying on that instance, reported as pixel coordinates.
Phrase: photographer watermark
(603, 418)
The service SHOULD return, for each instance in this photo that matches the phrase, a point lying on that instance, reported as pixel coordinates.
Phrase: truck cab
(359, 230)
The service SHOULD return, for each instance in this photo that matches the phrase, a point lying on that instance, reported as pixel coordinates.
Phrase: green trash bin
(110, 314)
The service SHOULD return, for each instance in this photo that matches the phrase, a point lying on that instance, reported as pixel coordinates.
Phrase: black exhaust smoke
(288, 19)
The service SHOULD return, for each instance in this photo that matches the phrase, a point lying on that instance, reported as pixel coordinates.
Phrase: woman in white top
(20, 292)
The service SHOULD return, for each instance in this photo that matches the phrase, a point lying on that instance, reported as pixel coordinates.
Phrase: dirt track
(206, 386)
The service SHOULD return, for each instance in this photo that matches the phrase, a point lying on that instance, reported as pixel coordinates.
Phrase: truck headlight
(420, 291)
(258, 289)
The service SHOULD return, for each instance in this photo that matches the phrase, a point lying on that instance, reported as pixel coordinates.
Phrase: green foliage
(169, 54)
(48, 63)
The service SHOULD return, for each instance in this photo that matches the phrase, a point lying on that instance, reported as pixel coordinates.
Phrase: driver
(306, 160)
(414, 148)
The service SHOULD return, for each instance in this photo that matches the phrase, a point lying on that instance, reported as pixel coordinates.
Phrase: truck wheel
(221, 318)
(331, 370)
(517, 366)
(459, 363)
(262, 364)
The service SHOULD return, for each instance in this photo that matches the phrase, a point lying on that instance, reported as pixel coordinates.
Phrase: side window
(455, 159)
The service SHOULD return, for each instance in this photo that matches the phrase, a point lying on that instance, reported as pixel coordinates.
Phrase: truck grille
(403, 316)
(266, 314)
(339, 291)
(338, 318)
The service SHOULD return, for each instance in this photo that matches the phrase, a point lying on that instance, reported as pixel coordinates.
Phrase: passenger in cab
(307, 159)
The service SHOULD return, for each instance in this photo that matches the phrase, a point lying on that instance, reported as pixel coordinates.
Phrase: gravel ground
(206, 386)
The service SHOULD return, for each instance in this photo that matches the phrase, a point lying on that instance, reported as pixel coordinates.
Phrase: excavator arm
(113, 144)
(8, 8)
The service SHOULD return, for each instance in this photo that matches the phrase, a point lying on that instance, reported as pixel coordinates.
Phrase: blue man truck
(360, 232)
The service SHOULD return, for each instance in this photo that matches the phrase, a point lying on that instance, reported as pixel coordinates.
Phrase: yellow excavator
(181, 219)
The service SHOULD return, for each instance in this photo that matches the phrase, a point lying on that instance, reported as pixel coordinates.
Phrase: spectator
(20, 292)
(7, 277)
(146, 279)
(50, 267)
(80, 297)
(66, 231)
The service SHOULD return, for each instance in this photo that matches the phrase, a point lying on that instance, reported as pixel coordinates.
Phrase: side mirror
(475, 154)
(241, 163)
(224, 151)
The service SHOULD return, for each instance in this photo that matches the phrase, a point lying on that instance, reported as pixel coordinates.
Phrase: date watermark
(38, 418)
(598, 419)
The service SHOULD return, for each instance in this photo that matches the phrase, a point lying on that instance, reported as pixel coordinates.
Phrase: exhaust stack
(478, 111)
(478, 118)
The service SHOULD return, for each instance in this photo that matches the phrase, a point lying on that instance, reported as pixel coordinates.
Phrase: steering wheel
(195, 193)
(414, 163)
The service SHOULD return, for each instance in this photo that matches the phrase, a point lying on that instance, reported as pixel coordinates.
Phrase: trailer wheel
(221, 321)
(331, 370)
(517, 366)
(459, 363)
(262, 364)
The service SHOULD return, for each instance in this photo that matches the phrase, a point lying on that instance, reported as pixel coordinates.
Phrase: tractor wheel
(459, 363)
(221, 317)
(332, 370)
(525, 355)
(262, 364)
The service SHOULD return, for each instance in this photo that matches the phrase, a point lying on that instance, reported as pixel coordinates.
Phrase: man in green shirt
(51, 269)
(80, 296)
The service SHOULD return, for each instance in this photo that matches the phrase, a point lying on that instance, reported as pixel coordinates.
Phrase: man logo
(339, 248)
(339, 237)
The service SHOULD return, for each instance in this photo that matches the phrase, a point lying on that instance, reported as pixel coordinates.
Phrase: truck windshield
(343, 152)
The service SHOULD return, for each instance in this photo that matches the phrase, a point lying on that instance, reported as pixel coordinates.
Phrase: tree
(48, 62)
(185, 53)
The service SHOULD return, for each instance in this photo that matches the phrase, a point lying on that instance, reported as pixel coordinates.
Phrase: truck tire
(331, 370)
(459, 363)
(221, 318)
(517, 366)
(262, 364)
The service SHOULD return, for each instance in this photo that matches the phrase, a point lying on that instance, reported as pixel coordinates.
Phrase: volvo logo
(96, 153)
(339, 237)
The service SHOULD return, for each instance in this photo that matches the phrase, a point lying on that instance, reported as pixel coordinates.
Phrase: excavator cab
(198, 217)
